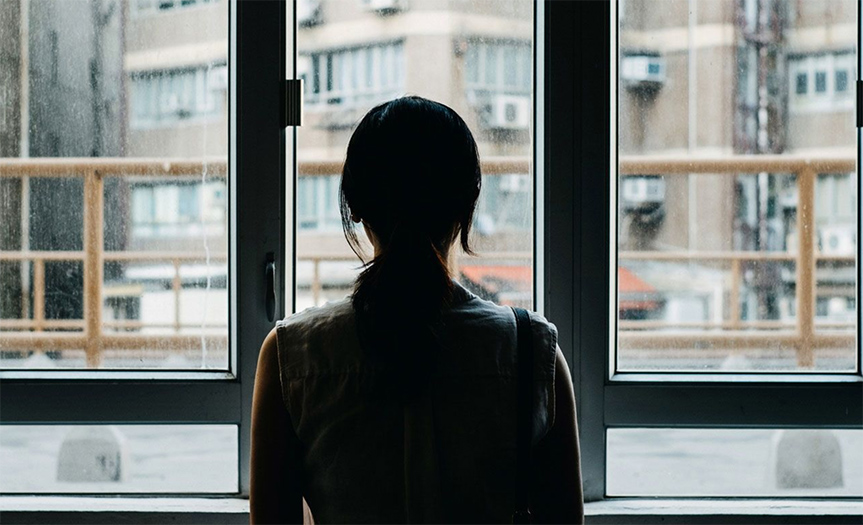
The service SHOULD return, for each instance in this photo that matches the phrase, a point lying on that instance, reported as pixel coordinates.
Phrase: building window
(169, 97)
(177, 210)
(802, 83)
(820, 82)
(145, 7)
(352, 77)
(841, 81)
(499, 67)
(318, 203)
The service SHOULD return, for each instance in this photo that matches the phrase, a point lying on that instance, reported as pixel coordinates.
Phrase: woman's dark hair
(412, 175)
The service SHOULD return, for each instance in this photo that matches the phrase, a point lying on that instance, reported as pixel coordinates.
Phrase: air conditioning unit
(637, 191)
(838, 240)
(308, 13)
(506, 112)
(217, 78)
(514, 183)
(642, 71)
(385, 6)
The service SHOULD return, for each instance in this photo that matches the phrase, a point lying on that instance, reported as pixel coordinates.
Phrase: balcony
(95, 336)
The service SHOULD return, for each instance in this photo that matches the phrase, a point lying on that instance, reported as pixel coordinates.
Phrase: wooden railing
(88, 333)
(736, 333)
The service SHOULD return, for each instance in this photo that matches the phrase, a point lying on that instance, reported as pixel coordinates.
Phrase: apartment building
(726, 78)
(354, 54)
(703, 78)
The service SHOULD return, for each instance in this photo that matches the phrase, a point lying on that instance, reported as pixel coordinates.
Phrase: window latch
(270, 279)
(292, 102)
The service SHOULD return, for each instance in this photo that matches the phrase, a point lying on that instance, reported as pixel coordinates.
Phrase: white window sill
(88, 509)
(156, 504)
(720, 507)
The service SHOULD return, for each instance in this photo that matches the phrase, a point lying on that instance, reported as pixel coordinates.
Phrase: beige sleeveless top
(447, 456)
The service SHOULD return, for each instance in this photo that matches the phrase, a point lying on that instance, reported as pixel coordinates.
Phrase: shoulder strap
(524, 354)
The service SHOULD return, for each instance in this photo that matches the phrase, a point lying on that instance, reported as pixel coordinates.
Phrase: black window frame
(256, 224)
(578, 155)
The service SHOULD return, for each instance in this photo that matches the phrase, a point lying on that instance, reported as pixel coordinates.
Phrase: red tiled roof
(519, 275)
(638, 294)
(628, 282)
(634, 293)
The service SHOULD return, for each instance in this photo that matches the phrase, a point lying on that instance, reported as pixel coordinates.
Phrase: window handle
(859, 103)
(270, 302)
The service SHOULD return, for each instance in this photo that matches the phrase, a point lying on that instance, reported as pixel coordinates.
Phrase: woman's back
(446, 453)
(399, 403)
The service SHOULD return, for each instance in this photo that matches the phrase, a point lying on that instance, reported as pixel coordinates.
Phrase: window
(145, 7)
(350, 63)
(715, 271)
(118, 342)
(167, 97)
(802, 83)
(317, 204)
(841, 83)
(356, 76)
(498, 67)
(559, 241)
(819, 82)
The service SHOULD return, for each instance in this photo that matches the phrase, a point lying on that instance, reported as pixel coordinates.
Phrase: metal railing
(804, 336)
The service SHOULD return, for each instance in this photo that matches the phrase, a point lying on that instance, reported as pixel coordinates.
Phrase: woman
(398, 404)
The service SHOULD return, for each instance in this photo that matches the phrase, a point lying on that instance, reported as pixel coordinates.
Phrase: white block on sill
(93, 454)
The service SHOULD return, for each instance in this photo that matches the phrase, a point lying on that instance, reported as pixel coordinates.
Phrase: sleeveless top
(448, 455)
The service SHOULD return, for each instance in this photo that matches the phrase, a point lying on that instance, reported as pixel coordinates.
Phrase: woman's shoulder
(318, 317)
(497, 317)
(317, 339)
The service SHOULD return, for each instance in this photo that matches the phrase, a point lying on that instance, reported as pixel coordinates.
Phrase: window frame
(256, 145)
(576, 123)
(572, 253)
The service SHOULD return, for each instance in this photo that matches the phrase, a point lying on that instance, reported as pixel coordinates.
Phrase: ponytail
(399, 298)
(412, 175)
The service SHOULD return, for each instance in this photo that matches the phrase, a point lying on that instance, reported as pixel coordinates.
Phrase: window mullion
(258, 150)
(576, 202)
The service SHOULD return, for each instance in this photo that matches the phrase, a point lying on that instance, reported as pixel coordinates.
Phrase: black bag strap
(521, 514)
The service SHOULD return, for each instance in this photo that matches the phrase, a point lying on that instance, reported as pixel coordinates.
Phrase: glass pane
(118, 459)
(736, 188)
(734, 462)
(113, 244)
(474, 56)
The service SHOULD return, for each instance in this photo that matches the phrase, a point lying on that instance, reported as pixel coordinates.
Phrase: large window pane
(113, 245)
(736, 189)
(735, 462)
(118, 459)
(474, 56)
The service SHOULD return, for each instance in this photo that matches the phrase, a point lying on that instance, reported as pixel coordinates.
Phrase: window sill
(695, 511)
(89, 509)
